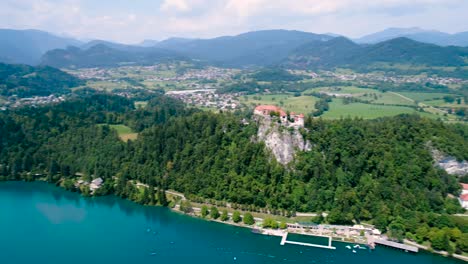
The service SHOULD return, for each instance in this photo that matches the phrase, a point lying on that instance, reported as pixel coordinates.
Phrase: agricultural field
(300, 104)
(423, 96)
(107, 85)
(392, 99)
(354, 90)
(367, 111)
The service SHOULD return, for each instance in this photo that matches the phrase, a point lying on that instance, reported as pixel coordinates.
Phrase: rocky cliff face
(282, 141)
(449, 164)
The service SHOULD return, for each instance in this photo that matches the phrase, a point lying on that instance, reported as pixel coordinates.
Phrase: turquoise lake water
(40, 223)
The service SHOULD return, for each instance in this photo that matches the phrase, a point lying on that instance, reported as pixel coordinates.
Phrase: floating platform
(285, 241)
(396, 245)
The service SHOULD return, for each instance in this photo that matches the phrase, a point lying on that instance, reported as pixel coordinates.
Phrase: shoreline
(264, 231)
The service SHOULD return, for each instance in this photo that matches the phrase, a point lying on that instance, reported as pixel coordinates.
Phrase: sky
(131, 21)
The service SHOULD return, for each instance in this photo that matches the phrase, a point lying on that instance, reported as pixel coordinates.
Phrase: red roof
(464, 197)
(464, 186)
(270, 108)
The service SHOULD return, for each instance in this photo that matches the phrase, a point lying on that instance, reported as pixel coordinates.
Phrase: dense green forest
(377, 171)
(26, 81)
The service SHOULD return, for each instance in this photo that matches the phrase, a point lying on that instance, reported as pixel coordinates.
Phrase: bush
(204, 211)
(236, 217)
(214, 213)
(270, 223)
(248, 219)
(224, 216)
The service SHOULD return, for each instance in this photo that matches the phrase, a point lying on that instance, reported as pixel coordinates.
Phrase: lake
(40, 223)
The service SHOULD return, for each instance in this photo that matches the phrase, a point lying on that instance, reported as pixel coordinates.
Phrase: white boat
(354, 251)
(356, 246)
(348, 247)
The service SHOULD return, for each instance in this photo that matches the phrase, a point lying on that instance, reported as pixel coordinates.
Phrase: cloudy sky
(131, 21)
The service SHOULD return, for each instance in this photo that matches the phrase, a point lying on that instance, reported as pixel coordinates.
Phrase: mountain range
(102, 55)
(342, 52)
(417, 34)
(258, 48)
(27, 46)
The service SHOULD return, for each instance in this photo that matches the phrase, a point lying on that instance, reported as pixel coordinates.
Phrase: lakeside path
(443, 253)
(198, 209)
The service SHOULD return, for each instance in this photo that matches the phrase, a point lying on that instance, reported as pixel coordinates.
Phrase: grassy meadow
(125, 133)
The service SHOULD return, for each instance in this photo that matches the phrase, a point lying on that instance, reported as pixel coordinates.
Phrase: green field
(367, 111)
(343, 90)
(423, 96)
(392, 99)
(141, 104)
(373, 96)
(125, 132)
(107, 85)
(300, 104)
(442, 103)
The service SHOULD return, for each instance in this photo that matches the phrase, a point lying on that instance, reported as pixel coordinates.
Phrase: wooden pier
(285, 241)
(396, 245)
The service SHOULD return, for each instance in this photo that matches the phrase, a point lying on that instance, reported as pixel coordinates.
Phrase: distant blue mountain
(252, 48)
(418, 34)
(101, 55)
(27, 46)
(148, 43)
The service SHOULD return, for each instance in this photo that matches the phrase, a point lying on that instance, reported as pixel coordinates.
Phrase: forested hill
(101, 55)
(26, 81)
(378, 171)
(341, 52)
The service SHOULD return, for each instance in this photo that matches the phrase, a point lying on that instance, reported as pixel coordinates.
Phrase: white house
(464, 196)
(95, 184)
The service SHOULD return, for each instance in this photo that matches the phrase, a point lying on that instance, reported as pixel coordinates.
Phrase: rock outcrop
(448, 163)
(283, 142)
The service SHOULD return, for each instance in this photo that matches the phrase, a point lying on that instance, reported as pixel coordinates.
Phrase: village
(155, 73)
(207, 98)
(390, 78)
(14, 102)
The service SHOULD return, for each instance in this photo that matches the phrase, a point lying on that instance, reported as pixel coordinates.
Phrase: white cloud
(207, 18)
(175, 5)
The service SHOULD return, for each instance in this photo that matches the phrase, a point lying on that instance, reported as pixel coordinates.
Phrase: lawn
(300, 104)
(367, 111)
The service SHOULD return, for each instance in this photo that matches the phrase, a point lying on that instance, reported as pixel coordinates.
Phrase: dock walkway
(396, 245)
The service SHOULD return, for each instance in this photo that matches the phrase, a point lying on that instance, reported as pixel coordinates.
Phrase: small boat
(362, 248)
(152, 254)
(356, 246)
(354, 251)
(348, 247)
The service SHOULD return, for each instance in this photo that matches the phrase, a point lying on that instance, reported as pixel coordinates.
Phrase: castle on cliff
(292, 119)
